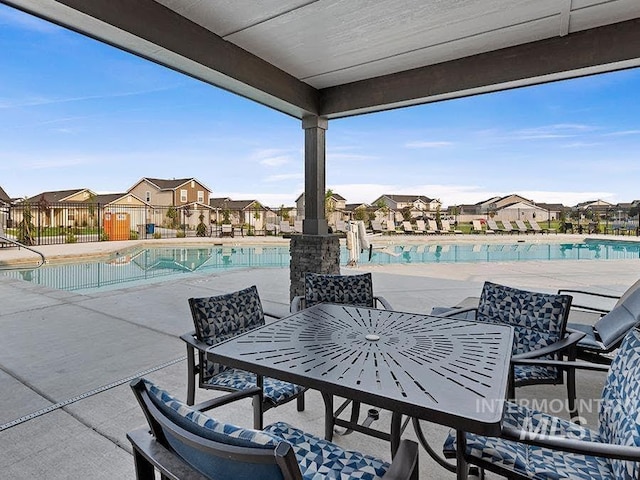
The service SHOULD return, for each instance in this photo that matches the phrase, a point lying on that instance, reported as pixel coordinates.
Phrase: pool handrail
(41, 262)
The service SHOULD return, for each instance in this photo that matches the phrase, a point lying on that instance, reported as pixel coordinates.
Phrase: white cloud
(623, 133)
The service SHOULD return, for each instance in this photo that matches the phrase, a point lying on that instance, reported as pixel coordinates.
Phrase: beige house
(58, 208)
(171, 192)
(241, 212)
(335, 208)
(137, 211)
(418, 205)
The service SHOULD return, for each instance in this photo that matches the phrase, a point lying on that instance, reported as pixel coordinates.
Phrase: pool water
(157, 264)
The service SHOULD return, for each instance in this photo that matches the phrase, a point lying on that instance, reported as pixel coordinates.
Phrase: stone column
(312, 253)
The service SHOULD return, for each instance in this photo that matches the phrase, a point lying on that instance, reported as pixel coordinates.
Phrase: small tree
(201, 229)
(26, 226)
(172, 215)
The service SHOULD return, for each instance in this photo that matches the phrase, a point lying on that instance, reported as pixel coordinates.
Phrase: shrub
(157, 235)
(71, 238)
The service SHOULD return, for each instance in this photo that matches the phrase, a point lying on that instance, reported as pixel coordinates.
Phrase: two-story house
(416, 205)
(335, 206)
(238, 213)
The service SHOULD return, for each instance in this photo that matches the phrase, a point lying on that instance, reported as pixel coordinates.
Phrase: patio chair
(346, 289)
(407, 227)
(297, 226)
(540, 324)
(433, 226)
(217, 319)
(478, 228)
(446, 227)
(226, 230)
(604, 328)
(538, 445)
(422, 228)
(493, 225)
(376, 226)
(508, 227)
(285, 227)
(389, 227)
(538, 229)
(522, 228)
(182, 442)
(341, 226)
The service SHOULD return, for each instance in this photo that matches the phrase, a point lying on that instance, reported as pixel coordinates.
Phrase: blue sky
(75, 113)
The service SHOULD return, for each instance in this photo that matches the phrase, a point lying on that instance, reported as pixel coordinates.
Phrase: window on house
(183, 195)
(200, 196)
(148, 197)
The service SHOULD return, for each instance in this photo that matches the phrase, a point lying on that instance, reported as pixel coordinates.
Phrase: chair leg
(191, 376)
(144, 469)
(571, 395)
(300, 402)
(328, 416)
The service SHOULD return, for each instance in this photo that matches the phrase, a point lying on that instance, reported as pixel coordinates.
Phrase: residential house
(335, 206)
(175, 192)
(596, 209)
(417, 205)
(59, 208)
(250, 213)
(555, 210)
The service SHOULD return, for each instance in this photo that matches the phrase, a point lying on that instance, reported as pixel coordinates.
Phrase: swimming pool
(156, 264)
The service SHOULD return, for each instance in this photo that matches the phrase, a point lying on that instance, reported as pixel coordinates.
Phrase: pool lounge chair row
(520, 227)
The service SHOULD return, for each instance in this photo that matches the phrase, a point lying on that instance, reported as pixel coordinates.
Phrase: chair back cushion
(539, 319)
(613, 326)
(203, 426)
(222, 317)
(619, 411)
(345, 289)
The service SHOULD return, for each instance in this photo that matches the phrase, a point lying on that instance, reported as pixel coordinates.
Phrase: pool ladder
(41, 262)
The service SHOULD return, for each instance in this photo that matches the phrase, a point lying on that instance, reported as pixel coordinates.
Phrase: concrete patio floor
(65, 358)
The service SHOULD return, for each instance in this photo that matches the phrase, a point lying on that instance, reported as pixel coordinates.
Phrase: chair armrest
(456, 311)
(622, 452)
(191, 339)
(170, 465)
(383, 301)
(565, 343)
(297, 304)
(587, 294)
(272, 315)
(563, 364)
(405, 462)
(228, 398)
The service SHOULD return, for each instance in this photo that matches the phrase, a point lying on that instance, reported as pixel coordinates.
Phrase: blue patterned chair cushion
(344, 289)
(317, 458)
(539, 319)
(531, 461)
(275, 391)
(219, 318)
(207, 427)
(620, 409)
(619, 424)
(320, 459)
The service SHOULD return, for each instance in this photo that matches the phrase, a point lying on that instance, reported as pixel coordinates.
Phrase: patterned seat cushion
(535, 462)
(619, 424)
(320, 459)
(343, 289)
(275, 391)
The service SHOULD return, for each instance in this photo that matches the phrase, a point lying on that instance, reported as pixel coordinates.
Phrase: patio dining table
(448, 371)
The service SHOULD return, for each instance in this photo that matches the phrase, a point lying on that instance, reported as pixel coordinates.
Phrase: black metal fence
(66, 222)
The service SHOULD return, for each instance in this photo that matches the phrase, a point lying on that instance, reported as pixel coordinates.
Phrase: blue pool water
(155, 264)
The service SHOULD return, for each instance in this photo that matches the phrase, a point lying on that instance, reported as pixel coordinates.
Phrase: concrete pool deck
(65, 358)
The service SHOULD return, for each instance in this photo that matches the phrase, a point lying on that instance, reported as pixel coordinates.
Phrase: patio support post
(314, 222)
(315, 250)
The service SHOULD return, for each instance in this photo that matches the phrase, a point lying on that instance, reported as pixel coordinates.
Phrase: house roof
(408, 198)
(234, 205)
(56, 196)
(334, 59)
(107, 198)
(4, 198)
(167, 183)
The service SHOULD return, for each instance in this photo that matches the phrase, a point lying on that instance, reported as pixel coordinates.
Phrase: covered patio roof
(318, 60)
(335, 58)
